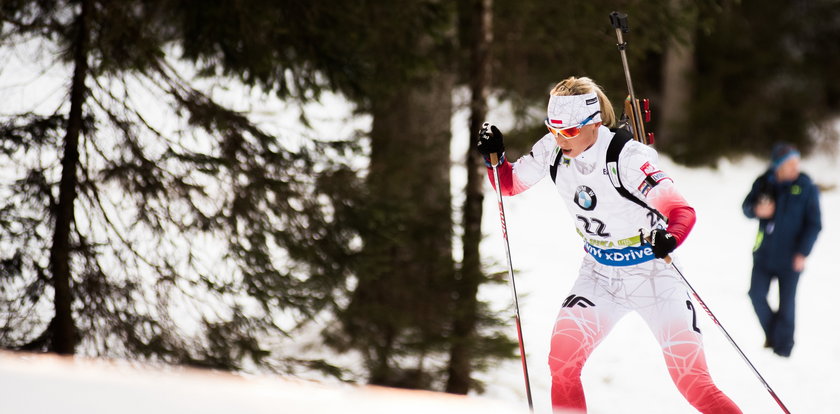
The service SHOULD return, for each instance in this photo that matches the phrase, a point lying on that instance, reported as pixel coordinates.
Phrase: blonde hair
(580, 86)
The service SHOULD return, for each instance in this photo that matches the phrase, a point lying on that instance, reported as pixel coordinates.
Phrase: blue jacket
(794, 226)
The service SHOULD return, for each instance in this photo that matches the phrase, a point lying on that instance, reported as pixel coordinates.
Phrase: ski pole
(726, 334)
(494, 161)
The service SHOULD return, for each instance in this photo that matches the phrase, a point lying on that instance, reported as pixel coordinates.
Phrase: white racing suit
(619, 274)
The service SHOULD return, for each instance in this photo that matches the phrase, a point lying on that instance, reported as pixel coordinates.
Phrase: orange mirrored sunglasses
(572, 131)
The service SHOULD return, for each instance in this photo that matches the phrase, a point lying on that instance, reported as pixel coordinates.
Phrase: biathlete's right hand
(490, 141)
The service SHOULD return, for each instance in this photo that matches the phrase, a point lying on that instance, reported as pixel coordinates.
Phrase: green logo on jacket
(758, 239)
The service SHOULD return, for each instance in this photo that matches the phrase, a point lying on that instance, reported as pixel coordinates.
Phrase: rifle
(636, 113)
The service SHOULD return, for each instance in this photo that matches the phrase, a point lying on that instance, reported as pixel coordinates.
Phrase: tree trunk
(470, 277)
(64, 337)
(678, 63)
(403, 297)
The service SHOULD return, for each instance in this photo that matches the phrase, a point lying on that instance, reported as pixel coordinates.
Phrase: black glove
(662, 242)
(490, 141)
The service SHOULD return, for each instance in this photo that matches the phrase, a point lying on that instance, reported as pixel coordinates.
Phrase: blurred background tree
(123, 237)
(287, 215)
(761, 75)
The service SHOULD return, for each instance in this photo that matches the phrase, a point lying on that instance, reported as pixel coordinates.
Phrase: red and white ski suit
(619, 274)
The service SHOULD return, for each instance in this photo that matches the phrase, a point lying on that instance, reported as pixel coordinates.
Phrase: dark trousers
(778, 325)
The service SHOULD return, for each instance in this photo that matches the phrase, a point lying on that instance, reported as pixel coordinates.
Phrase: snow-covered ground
(626, 374)
(48, 383)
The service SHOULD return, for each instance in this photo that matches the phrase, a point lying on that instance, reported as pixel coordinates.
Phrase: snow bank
(33, 383)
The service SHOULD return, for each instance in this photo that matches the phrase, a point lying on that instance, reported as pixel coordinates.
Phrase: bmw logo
(585, 198)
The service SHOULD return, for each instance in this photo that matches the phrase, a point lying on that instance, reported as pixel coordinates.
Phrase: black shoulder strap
(619, 140)
(553, 168)
(617, 144)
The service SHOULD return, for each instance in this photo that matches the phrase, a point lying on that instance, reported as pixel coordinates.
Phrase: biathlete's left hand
(662, 242)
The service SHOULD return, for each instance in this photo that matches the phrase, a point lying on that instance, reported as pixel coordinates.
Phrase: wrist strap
(487, 160)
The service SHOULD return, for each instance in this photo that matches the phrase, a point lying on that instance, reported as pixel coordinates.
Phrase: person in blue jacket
(786, 203)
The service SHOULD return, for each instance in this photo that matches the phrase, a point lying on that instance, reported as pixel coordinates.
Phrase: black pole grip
(619, 21)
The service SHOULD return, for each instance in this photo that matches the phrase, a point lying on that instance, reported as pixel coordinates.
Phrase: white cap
(572, 109)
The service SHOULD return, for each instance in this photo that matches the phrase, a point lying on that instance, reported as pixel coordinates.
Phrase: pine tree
(177, 244)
